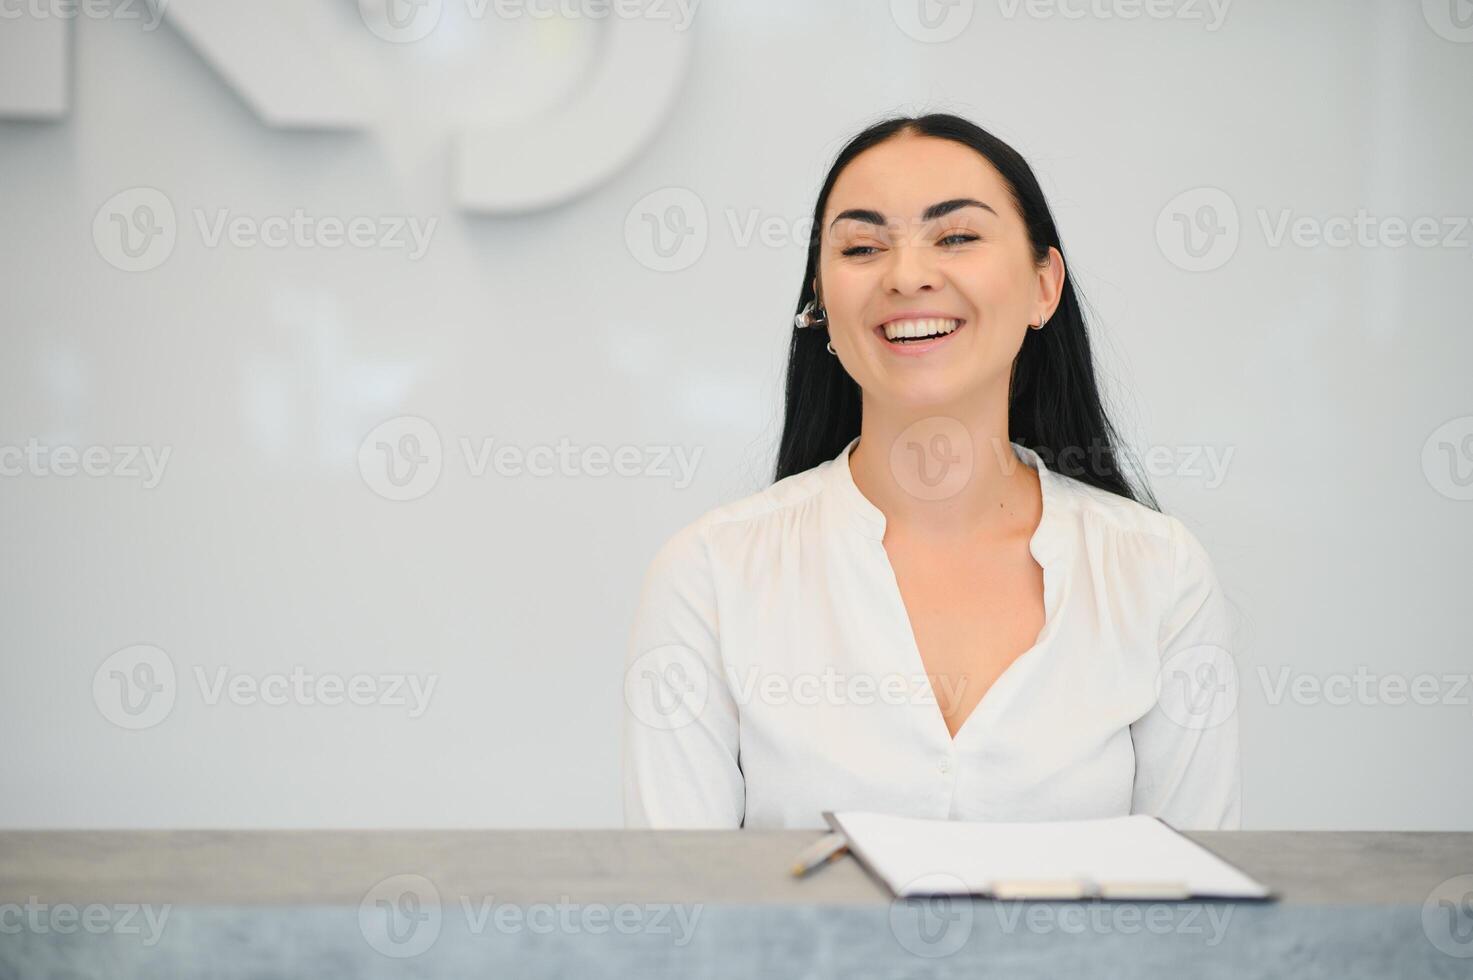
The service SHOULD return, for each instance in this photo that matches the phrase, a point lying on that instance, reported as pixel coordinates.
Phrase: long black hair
(1054, 405)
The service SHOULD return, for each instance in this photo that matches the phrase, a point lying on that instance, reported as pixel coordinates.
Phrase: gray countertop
(687, 903)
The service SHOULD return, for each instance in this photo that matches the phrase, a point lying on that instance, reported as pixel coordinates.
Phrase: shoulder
(1156, 559)
(1162, 539)
(725, 528)
(1120, 515)
(1108, 510)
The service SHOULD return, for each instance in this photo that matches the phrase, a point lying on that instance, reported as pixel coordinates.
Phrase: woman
(951, 603)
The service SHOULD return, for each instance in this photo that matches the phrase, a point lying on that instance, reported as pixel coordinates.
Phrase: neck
(946, 472)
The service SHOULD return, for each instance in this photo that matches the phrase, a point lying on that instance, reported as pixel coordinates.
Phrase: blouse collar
(869, 520)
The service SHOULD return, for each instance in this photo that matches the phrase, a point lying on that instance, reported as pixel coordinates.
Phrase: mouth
(918, 334)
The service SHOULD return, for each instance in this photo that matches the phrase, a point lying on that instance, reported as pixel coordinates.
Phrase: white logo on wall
(624, 97)
(401, 459)
(1198, 229)
(135, 687)
(1447, 458)
(667, 229)
(135, 229)
(932, 21)
(400, 916)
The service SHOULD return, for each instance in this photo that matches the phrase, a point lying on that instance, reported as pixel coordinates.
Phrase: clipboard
(1109, 859)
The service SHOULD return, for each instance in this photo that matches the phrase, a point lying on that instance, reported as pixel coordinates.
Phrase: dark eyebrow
(931, 214)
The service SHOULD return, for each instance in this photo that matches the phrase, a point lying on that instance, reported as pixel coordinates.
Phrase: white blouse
(772, 673)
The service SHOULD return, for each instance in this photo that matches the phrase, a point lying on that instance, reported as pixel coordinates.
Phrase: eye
(960, 238)
(859, 250)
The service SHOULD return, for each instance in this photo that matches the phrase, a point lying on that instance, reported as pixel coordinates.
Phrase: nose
(912, 269)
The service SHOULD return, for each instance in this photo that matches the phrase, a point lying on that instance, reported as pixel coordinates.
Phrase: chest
(972, 613)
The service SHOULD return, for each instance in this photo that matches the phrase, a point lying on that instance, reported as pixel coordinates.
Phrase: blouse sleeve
(680, 747)
(1186, 746)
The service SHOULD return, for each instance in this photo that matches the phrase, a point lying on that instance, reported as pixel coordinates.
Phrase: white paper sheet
(1136, 856)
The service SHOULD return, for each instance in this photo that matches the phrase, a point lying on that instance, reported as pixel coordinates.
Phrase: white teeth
(918, 328)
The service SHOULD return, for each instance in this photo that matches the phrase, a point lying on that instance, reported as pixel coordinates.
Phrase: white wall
(1324, 370)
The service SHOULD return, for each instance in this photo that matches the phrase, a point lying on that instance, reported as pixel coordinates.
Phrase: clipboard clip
(1082, 888)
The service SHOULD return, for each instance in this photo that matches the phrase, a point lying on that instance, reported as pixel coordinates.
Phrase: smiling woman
(978, 631)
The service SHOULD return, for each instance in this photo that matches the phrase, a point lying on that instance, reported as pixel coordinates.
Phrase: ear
(1050, 284)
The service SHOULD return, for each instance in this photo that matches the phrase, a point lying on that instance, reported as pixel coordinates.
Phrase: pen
(827, 848)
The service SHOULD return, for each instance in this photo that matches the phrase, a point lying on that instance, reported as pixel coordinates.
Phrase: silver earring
(813, 315)
(830, 347)
(1038, 325)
